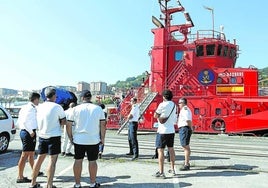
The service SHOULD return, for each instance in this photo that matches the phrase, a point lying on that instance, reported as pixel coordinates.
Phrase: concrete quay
(216, 161)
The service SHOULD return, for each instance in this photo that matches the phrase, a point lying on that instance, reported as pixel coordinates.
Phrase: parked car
(7, 129)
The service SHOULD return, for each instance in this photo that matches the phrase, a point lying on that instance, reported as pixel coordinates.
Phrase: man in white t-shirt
(89, 131)
(50, 118)
(165, 132)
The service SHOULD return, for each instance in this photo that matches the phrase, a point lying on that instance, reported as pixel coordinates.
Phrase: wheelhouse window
(232, 52)
(225, 51)
(199, 50)
(210, 49)
(219, 50)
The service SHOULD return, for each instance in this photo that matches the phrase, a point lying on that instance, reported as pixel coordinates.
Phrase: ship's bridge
(212, 48)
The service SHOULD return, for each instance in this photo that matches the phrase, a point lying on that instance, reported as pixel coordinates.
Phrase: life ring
(218, 124)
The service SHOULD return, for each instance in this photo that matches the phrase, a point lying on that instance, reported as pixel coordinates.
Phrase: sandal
(24, 180)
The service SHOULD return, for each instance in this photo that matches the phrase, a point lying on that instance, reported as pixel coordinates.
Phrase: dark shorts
(91, 150)
(28, 142)
(185, 135)
(163, 140)
(50, 146)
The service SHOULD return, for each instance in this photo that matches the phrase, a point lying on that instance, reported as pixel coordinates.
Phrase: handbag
(163, 120)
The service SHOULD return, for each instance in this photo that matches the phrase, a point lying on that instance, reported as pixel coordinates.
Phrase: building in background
(98, 88)
(83, 86)
(8, 92)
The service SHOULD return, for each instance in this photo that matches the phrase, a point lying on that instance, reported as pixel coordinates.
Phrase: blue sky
(62, 42)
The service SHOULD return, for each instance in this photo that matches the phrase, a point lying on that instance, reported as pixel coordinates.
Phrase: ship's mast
(167, 12)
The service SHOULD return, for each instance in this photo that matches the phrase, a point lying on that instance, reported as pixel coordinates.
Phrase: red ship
(200, 67)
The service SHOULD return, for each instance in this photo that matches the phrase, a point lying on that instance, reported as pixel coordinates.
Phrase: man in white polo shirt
(28, 125)
(185, 131)
(133, 119)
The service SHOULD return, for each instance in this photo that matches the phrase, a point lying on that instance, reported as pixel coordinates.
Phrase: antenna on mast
(212, 15)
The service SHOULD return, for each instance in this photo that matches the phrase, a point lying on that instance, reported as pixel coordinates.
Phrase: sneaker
(23, 180)
(172, 172)
(62, 153)
(96, 184)
(135, 157)
(159, 175)
(185, 168)
(77, 186)
(35, 186)
(69, 154)
(154, 157)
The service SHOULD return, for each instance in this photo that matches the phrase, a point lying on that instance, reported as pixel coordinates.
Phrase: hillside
(263, 73)
(130, 82)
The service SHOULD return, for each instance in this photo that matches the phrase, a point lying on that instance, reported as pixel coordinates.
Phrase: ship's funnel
(156, 22)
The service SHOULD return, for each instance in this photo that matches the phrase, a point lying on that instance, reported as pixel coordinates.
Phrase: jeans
(132, 138)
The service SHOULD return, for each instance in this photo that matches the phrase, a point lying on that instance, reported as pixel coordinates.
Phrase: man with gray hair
(50, 117)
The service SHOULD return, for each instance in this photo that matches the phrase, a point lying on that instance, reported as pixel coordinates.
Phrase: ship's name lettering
(230, 74)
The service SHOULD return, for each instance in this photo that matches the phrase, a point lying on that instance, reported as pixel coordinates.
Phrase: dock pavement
(216, 161)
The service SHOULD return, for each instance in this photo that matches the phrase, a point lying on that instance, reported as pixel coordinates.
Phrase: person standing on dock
(89, 131)
(185, 131)
(66, 142)
(165, 132)
(50, 118)
(133, 119)
(27, 122)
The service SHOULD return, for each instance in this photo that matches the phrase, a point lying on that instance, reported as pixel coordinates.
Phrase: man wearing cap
(89, 131)
(50, 117)
(185, 131)
(165, 132)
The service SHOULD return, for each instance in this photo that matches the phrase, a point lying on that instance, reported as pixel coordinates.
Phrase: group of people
(167, 116)
(85, 126)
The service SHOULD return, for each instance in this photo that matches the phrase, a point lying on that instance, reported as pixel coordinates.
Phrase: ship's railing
(201, 34)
